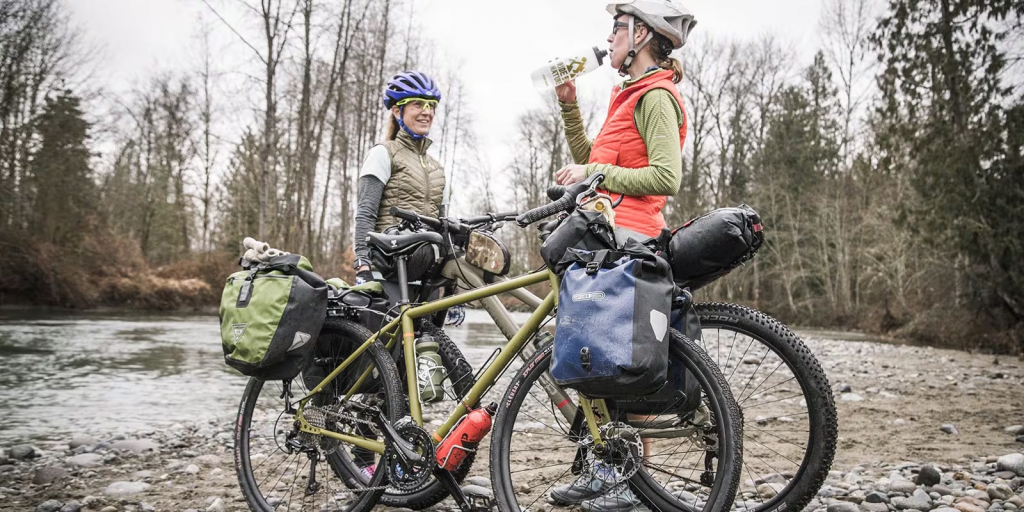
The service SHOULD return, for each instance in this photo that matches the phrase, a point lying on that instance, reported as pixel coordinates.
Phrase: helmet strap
(633, 49)
(401, 122)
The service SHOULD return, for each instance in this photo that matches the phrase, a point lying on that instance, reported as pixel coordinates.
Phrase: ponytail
(676, 67)
(392, 127)
(661, 50)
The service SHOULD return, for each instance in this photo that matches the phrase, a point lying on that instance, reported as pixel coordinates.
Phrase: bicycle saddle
(400, 244)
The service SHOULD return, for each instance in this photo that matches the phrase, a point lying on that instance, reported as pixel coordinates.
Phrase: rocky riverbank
(920, 429)
(189, 468)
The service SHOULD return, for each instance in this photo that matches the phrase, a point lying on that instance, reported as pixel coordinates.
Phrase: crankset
(407, 474)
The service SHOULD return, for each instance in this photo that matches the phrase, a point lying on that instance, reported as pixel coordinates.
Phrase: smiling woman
(398, 172)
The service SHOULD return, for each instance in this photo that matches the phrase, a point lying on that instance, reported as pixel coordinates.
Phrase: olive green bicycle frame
(402, 328)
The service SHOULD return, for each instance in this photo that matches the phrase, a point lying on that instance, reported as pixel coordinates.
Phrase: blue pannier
(613, 319)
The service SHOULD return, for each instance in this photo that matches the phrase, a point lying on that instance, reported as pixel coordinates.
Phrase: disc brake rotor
(621, 457)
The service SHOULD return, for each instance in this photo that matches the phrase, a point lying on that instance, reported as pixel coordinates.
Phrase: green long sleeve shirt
(658, 118)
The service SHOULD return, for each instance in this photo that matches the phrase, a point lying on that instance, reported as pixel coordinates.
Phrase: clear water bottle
(561, 70)
(429, 370)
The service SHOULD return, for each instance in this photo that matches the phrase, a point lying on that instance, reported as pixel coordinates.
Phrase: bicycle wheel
(790, 431)
(278, 466)
(350, 466)
(689, 462)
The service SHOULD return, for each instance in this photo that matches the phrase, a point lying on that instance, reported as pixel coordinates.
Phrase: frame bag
(611, 340)
(270, 317)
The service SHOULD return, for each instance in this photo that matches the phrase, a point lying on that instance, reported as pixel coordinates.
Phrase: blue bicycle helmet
(410, 84)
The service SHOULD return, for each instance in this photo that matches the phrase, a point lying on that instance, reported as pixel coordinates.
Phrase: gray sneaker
(586, 487)
(618, 499)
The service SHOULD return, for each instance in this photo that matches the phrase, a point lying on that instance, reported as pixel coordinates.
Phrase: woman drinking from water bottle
(639, 150)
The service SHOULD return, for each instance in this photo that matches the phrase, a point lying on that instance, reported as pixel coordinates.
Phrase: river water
(122, 372)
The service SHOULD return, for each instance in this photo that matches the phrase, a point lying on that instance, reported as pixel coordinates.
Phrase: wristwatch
(360, 262)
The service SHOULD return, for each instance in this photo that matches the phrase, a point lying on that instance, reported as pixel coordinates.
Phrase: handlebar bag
(582, 229)
(270, 317)
(611, 340)
(485, 252)
(712, 245)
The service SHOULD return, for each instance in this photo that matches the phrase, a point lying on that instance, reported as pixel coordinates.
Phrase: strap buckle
(593, 267)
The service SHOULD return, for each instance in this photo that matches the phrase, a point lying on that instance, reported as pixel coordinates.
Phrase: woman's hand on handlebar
(572, 173)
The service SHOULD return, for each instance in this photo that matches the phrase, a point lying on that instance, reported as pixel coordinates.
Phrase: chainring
(412, 476)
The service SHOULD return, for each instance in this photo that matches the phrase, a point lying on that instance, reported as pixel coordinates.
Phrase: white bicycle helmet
(666, 17)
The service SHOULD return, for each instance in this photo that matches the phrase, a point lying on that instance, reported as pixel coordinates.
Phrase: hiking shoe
(585, 487)
(618, 499)
(367, 472)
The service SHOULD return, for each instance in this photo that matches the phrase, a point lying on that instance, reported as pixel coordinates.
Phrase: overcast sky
(497, 43)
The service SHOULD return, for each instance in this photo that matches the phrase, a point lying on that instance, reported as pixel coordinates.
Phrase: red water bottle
(464, 437)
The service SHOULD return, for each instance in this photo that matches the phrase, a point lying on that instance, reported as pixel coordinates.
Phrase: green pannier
(270, 317)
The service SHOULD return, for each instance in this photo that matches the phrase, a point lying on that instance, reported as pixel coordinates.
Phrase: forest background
(887, 164)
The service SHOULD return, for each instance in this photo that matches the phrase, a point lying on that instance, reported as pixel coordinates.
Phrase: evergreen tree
(943, 92)
(60, 173)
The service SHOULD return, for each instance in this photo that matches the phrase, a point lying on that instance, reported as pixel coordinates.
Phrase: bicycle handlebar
(565, 203)
(458, 226)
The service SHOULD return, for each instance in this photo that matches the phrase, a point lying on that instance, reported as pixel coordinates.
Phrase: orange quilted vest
(619, 143)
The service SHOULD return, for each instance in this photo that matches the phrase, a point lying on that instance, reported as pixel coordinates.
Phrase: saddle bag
(270, 317)
(613, 320)
(712, 245)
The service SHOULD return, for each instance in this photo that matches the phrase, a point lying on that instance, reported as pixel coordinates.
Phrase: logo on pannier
(238, 330)
(659, 322)
(592, 296)
(301, 339)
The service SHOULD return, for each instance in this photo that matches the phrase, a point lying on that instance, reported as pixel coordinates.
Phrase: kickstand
(466, 503)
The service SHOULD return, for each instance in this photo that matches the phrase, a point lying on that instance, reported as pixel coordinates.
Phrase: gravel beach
(920, 429)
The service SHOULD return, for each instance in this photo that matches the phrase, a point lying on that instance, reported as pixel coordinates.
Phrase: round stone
(71, 506)
(22, 451)
(48, 475)
(842, 506)
(216, 506)
(769, 491)
(929, 476)
(1011, 462)
(876, 497)
(49, 506)
(82, 440)
(903, 486)
(999, 491)
(135, 445)
(86, 460)
(125, 488)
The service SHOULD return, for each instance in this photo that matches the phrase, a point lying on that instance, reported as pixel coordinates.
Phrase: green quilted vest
(417, 180)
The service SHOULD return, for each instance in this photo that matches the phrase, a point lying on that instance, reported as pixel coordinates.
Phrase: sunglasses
(617, 26)
(418, 103)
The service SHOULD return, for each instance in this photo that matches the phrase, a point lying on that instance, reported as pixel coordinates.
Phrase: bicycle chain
(329, 412)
